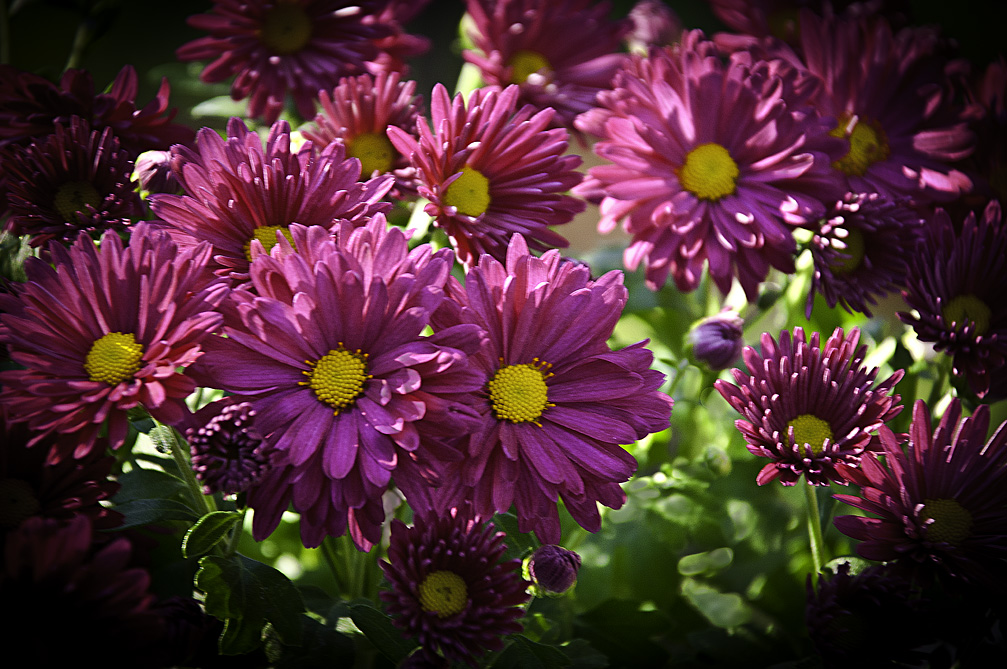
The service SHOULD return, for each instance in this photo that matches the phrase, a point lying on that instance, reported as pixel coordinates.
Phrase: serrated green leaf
(146, 511)
(207, 532)
(524, 653)
(380, 631)
(245, 594)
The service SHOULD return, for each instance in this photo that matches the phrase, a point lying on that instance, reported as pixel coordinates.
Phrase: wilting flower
(236, 192)
(450, 588)
(718, 340)
(490, 170)
(357, 112)
(229, 455)
(809, 408)
(331, 354)
(714, 160)
(273, 49)
(862, 251)
(557, 402)
(938, 506)
(105, 330)
(75, 180)
(560, 54)
(554, 568)
(957, 290)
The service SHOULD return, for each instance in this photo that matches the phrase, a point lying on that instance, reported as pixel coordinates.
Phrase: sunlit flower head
(557, 402)
(103, 330)
(357, 113)
(331, 353)
(938, 505)
(75, 180)
(236, 191)
(490, 170)
(862, 250)
(560, 54)
(285, 47)
(714, 160)
(450, 588)
(809, 407)
(956, 289)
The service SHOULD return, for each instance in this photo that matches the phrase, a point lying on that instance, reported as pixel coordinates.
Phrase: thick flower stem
(203, 503)
(814, 529)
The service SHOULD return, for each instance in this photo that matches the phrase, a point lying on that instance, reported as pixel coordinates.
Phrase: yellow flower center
(519, 394)
(286, 29)
(850, 257)
(374, 152)
(469, 193)
(812, 431)
(266, 235)
(964, 308)
(952, 522)
(868, 145)
(113, 358)
(443, 593)
(338, 377)
(709, 172)
(17, 502)
(73, 198)
(525, 63)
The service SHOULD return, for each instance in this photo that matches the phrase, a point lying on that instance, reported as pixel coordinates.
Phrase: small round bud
(717, 340)
(553, 568)
(153, 171)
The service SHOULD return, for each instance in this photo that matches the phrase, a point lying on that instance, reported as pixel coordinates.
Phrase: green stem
(203, 503)
(814, 528)
(80, 42)
(232, 542)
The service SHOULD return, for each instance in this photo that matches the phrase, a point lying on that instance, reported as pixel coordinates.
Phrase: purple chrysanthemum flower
(560, 54)
(104, 330)
(939, 505)
(714, 160)
(331, 354)
(957, 290)
(396, 47)
(229, 455)
(75, 180)
(809, 408)
(450, 588)
(556, 401)
(862, 249)
(490, 170)
(237, 192)
(988, 97)
(276, 48)
(357, 113)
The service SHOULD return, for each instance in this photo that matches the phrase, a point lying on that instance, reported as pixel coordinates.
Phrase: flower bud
(153, 171)
(553, 568)
(717, 340)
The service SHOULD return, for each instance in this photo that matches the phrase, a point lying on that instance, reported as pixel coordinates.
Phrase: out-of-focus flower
(957, 290)
(714, 160)
(331, 354)
(939, 505)
(554, 568)
(153, 171)
(237, 192)
(103, 330)
(450, 588)
(396, 46)
(276, 48)
(718, 340)
(809, 408)
(75, 180)
(988, 164)
(490, 170)
(557, 401)
(654, 24)
(560, 54)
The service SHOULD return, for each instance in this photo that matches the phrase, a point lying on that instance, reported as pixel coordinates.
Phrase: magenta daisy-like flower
(276, 48)
(714, 160)
(330, 352)
(809, 408)
(957, 290)
(556, 401)
(862, 250)
(450, 588)
(236, 192)
(490, 170)
(397, 47)
(357, 113)
(560, 54)
(103, 330)
(75, 180)
(939, 505)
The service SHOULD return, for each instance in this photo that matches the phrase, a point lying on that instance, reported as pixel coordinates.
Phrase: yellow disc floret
(952, 522)
(338, 377)
(519, 394)
(73, 198)
(266, 235)
(964, 309)
(868, 145)
(113, 358)
(443, 593)
(811, 430)
(526, 63)
(709, 172)
(286, 28)
(374, 152)
(469, 193)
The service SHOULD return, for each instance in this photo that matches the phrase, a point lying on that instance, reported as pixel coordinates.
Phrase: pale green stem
(204, 503)
(232, 542)
(80, 42)
(814, 528)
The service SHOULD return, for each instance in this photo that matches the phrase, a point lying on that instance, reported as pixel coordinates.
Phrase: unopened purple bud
(654, 24)
(554, 568)
(718, 340)
(153, 170)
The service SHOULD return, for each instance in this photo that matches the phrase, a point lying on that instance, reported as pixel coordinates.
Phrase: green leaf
(380, 631)
(524, 653)
(221, 106)
(708, 561)
(583, 655)
(143, 483)
(245, 594)
(147, 511)
(623, 631)
(208, 531)
(518, 543)
(725, 610)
